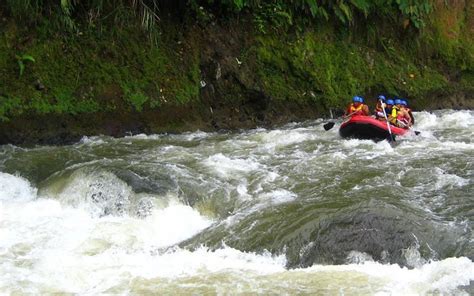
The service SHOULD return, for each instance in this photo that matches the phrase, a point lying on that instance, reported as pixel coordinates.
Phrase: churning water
(292, 210)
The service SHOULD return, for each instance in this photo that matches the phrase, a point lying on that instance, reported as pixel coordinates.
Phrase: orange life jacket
(356, 110)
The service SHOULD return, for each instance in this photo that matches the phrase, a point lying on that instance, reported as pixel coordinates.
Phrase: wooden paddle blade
(329, 125)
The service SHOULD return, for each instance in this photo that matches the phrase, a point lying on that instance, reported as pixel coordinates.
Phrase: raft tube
(368, 128)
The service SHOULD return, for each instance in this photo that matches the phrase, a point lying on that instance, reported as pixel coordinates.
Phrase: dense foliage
(344, 11)
(68, 12)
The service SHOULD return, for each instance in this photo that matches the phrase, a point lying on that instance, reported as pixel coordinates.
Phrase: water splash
(91, 230)
(15, 188)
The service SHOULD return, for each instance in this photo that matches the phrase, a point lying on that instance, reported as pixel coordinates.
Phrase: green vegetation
(325, 71)
(71, 15)
(125, 55)
(10, 106)
(344, 11)
(21, 60)
(94, 71)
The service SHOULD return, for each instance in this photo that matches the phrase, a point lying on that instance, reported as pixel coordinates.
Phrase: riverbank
(220, 73)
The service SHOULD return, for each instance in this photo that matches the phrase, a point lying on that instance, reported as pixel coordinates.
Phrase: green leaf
(285, 15)
(65, 5)
(324, 13)
(27, 57)
(346, 10)
(362, 5)
(340, 14)
(22, 67)
(313, 7)
(239, 4)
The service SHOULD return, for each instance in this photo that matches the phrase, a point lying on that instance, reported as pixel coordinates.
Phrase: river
(289, 210)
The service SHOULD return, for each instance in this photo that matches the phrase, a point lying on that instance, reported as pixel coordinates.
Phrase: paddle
(409, 127)
(392, 137)
(330, 125)
(416, 132)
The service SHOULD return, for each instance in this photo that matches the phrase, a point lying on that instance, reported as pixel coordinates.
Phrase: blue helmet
(398, 101)
(357, 99)
(403, 102)
(382, 97)
(390, 102)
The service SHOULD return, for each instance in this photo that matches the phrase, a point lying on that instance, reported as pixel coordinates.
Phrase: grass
(78, 71)
(330, 71)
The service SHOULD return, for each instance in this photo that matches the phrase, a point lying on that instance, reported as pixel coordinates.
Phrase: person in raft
(399, 115)
(357, 107)
(405, 104)
(388, 108)
(404, 119)
(392, 115)
(379, 106)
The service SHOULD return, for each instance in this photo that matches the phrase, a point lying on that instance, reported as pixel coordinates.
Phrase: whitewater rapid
(90, 218)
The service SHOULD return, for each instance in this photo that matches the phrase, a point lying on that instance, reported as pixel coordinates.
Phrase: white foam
(439, 276)
(338, 156)
(268, 178)
(230, 168)
(186, 136)
(425, 120)
(96, 191)
(356, 257)
(448, 119)
(92, 140)
(67, 249)
(457, 119)
(172, 225)
(444, 179)
(353, 143)
(197, 135)
(145, 137)
(186, 263)
(278, 196)
(271, 177)
(47, 247)
(453, 146)
(242, 190)
(384, 146)
(15, 188)
(282, 138)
